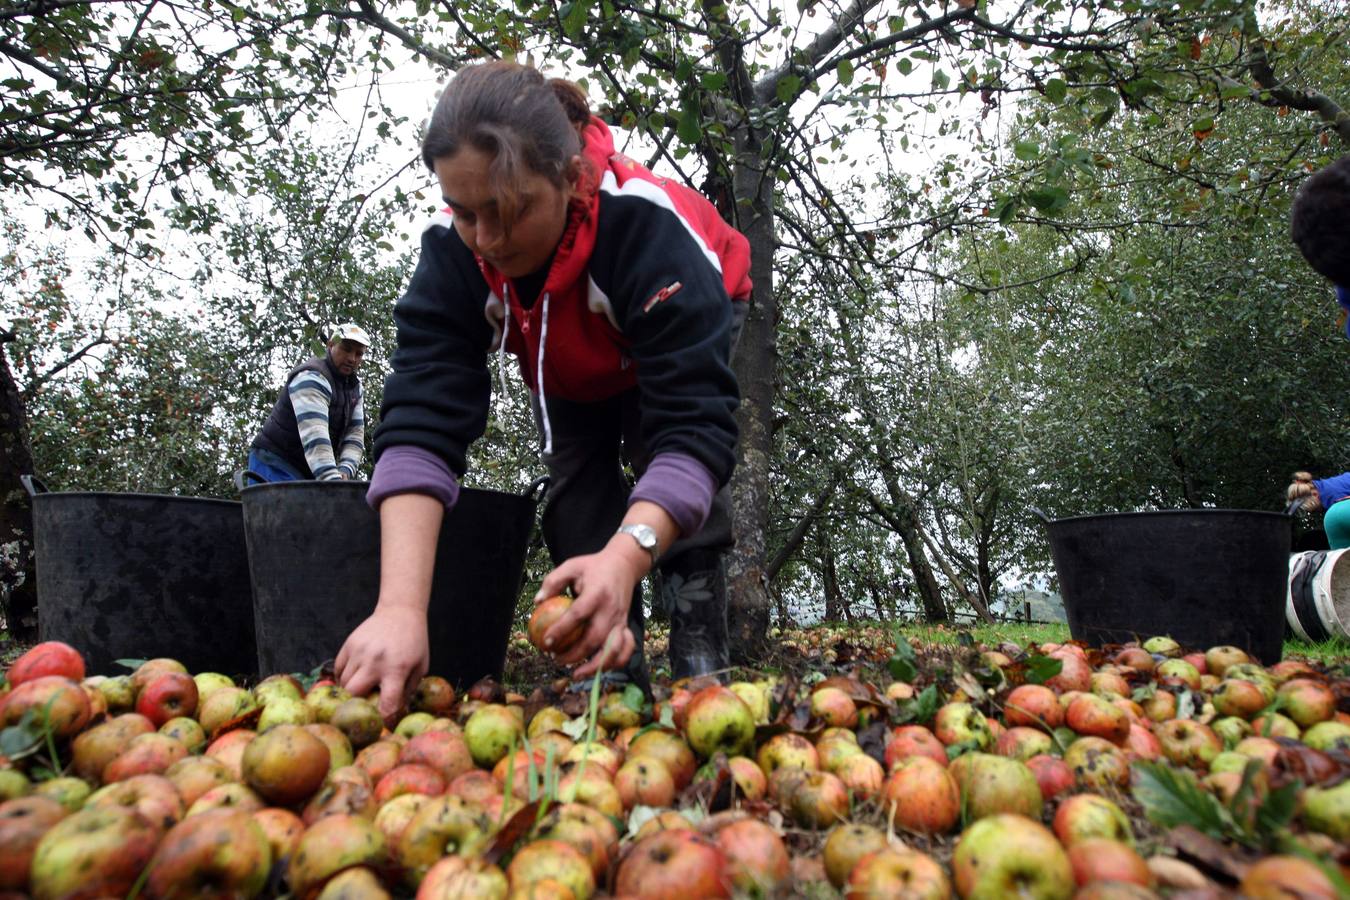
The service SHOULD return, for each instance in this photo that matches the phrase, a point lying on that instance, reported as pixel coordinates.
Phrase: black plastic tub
(314, 557)
(138, 576)
(1204, 576)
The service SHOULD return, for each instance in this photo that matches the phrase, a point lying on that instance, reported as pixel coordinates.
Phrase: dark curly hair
(1320, 223)
(509, 111)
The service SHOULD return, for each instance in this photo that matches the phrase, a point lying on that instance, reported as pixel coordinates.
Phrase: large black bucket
(314, 554)
(144, 575)
(1204, 576)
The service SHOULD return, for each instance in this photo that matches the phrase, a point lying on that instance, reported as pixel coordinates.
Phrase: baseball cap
(350, 331)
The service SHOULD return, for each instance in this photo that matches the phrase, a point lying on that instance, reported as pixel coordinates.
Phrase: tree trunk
(830, 582)
(756, 363)
(17, 573)
(925, 582)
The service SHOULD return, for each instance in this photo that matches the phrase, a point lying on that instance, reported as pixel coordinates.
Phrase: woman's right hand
(390, 651)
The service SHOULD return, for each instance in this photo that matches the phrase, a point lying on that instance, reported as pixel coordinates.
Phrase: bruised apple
(898, 872)
(719, 721)
(330, 845)
(285, 765)
(545, 614)
(846, 845)
(1009, 855)
(91, 854)
(23, 822)
(221, 853)
(756, 859)
(673, 865)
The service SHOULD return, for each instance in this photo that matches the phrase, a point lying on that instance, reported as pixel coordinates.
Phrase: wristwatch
(645, 535)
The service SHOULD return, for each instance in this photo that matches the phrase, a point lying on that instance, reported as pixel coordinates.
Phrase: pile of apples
(165, 784)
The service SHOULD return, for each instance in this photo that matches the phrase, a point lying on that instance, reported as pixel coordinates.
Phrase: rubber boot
(694, 591)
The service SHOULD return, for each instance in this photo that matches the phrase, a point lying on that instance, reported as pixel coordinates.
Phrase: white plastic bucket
(1317, 604)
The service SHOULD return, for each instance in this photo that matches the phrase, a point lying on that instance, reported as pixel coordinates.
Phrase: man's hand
(603, 586)
(388, 650)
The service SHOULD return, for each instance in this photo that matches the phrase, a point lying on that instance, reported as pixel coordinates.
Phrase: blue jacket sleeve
(1333, 489)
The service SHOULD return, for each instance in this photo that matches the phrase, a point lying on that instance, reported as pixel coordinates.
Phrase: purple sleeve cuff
(682, 486)
(412, 470)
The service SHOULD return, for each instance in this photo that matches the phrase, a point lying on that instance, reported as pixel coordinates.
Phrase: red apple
(923, 795)
(221, 853)
(166, 696)
(670, 749)
(23, 822)
(1102, 859)
(1286, 876)
(898, 872)
(92, 854)
(146, 754)
(330, 845)
(55, 698)
(820, 800)
(1085, 816)
(1034, 706)
(1188, 743)
(1053, 775)
(913, 740)
(281, 827)
(673, 865)
(1090, 714)
(756, 860)
(153, 796)
(46, 658)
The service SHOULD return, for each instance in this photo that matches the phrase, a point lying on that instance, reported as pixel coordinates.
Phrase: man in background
(316, 430)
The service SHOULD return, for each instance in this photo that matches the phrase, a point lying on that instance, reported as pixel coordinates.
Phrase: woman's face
(540, 217)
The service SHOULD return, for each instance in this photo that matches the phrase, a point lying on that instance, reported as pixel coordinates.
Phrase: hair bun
(573, 100)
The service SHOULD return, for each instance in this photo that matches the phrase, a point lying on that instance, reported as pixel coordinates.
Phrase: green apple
(1008, 855)
(283, 710)
(1328, 810)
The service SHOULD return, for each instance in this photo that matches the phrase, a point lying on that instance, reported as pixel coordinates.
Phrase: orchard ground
(804, 649)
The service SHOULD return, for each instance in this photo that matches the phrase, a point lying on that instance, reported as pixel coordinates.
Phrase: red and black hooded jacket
(638, 294)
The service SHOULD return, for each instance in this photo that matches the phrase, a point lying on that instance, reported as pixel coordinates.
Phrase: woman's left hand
(602, 584)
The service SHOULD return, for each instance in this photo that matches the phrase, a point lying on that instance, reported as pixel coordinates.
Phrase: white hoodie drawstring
(501, 347)
(539, 380)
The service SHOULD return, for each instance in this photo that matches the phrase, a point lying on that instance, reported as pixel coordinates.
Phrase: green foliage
(1041, 669)
(1173, 797)
(902, 665)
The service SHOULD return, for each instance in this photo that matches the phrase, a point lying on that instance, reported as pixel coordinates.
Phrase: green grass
(1018, 633)
(1335, 650)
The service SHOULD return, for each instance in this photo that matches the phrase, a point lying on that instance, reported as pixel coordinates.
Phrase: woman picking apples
(614, 289)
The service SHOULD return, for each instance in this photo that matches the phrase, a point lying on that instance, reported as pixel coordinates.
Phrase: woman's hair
(1320, 221)
(1302, 486)
(510, 112)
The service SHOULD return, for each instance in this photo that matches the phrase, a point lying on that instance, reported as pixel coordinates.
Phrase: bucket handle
(242, 476)
(1036, 511)
(535, 492)
(33, 485)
